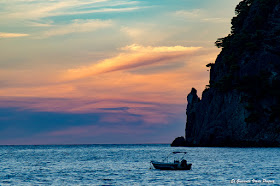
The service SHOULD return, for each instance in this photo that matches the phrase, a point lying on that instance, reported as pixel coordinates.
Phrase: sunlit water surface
(130, 165)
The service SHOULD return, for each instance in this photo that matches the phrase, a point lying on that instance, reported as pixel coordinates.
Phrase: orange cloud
(58, 91)
(119, 88)
(12, 35)
(167, 86)
(134, 57)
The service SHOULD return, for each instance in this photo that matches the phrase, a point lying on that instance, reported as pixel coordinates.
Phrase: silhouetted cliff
(241, 104)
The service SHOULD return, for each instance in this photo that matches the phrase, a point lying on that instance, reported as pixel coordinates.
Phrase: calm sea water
(130, 165)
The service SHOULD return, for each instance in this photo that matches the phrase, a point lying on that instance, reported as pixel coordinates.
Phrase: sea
(130, 165)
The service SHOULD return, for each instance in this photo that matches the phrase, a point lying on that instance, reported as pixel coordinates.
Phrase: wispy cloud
(78, 26)
(151, 32)
(150, 49)
(134, 56)
(189, 14)
(132, 32)
(40, 24)
(215, 20)
(34, 10)
(12, 35)
(199, 15)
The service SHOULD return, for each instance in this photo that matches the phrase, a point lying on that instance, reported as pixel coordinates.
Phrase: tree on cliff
(241, 105)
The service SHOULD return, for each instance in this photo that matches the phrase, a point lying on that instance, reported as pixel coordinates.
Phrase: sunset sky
(104, 71)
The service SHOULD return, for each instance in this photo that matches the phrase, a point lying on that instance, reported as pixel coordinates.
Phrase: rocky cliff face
(241, 104)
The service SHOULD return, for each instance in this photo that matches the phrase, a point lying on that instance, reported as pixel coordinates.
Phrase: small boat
(175, 165)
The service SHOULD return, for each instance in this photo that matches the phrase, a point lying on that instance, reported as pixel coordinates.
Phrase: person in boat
(184, 163)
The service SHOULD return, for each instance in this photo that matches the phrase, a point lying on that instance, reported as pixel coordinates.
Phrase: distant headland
(241, 105)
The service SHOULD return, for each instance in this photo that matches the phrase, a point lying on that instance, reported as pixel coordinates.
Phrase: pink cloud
(94, 130)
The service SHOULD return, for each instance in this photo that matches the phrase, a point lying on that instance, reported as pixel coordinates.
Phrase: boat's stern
(189, 166)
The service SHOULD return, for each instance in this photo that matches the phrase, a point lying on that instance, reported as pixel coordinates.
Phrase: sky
(104, 71)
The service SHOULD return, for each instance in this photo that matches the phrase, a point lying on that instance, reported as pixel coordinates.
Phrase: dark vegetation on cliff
(241, 104)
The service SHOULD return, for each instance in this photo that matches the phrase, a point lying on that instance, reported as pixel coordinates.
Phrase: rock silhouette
(241, 105)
